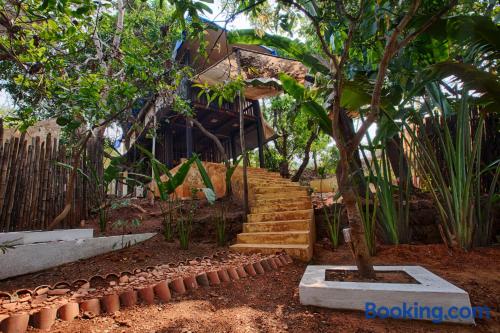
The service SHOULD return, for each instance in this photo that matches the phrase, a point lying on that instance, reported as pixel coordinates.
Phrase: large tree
(357, 42)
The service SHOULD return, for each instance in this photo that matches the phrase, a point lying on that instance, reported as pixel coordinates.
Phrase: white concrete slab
(431, 291)
(39, 236)
(23, 259)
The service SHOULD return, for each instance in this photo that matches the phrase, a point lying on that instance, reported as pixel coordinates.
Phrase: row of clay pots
(109, 277)
(110, 303)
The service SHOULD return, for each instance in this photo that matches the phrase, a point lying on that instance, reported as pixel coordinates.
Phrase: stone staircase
(281, 217)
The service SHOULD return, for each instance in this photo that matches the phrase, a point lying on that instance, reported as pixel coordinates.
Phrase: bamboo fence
(33, 184)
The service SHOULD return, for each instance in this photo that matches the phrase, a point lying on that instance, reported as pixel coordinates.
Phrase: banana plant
(168, 186)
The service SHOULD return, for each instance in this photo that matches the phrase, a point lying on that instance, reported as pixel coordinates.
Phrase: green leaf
(292, 87)
(319, 114)
(203, 173)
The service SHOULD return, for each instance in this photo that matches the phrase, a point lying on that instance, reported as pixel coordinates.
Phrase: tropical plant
(331, 218)
(455, 179)
(167, 183)
(393, 214)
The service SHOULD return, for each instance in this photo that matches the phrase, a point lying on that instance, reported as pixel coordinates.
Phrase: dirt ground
(270, 303)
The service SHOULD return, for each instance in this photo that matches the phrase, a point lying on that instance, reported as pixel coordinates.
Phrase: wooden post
(241, 99)
(189, 138)
(169, 146)
(260, 133)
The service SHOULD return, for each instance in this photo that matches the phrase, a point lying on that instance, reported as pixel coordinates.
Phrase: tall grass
(369, 218)
(454, 178)
(332, 221)
(393, 215)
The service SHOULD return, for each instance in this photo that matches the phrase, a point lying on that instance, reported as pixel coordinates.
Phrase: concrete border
(39, 236)
(431, 291)
(23, 259)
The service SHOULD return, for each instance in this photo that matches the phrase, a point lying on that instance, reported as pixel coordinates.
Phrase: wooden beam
(189, 139)
(260, 133)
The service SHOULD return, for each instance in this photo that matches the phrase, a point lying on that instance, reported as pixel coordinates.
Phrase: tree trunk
(219, 146)
(347, 128)
(349, 196)
(305, 161)
(398, 163)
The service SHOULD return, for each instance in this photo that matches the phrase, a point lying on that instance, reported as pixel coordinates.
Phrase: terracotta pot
(213, 277)
(16, 323)
(273, 264)
(45, 318)
(69, 311)
(91, 305)
(283, 260)
(61, 285)
(6, 296)
(41, 290)
(258, 268)
(223, 276)
(2, 318)
(128, 298)
(178, 286)
(241, 272)
(233, 274)
(250, 270)
(111, 303)
(190, 282)
(265, 264)
(81, 284)
(147, 295)
(162, 291)
(277, 261)
(202, 279)
(288, 259)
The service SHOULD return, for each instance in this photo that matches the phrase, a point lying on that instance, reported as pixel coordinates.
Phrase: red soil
(270, 303)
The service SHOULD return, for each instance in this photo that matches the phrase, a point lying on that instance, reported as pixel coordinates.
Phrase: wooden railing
(202, 102)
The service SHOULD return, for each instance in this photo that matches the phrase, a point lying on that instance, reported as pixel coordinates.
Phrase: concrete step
(281, 195)
(280, 207)
(278, 201)
(304, 214)
(292, 225)
(279, 189)
(298, 251)
(278, 237)
(264, 177)
(258, 184)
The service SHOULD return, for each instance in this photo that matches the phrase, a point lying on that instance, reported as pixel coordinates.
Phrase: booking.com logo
(436, 314)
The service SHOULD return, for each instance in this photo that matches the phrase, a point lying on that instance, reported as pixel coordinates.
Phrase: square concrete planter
(430, 294)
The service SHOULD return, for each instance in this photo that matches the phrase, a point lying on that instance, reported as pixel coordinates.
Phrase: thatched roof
(259, 70)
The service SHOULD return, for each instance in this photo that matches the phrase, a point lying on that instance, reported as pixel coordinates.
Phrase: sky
(239, 22)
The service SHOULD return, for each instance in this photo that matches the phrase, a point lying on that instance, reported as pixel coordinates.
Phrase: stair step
(278, 201)
(291, 225)
(280, 207)
(303, 214)
(282, 195)
(298, 251)
(279, 189)
(277, 237)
